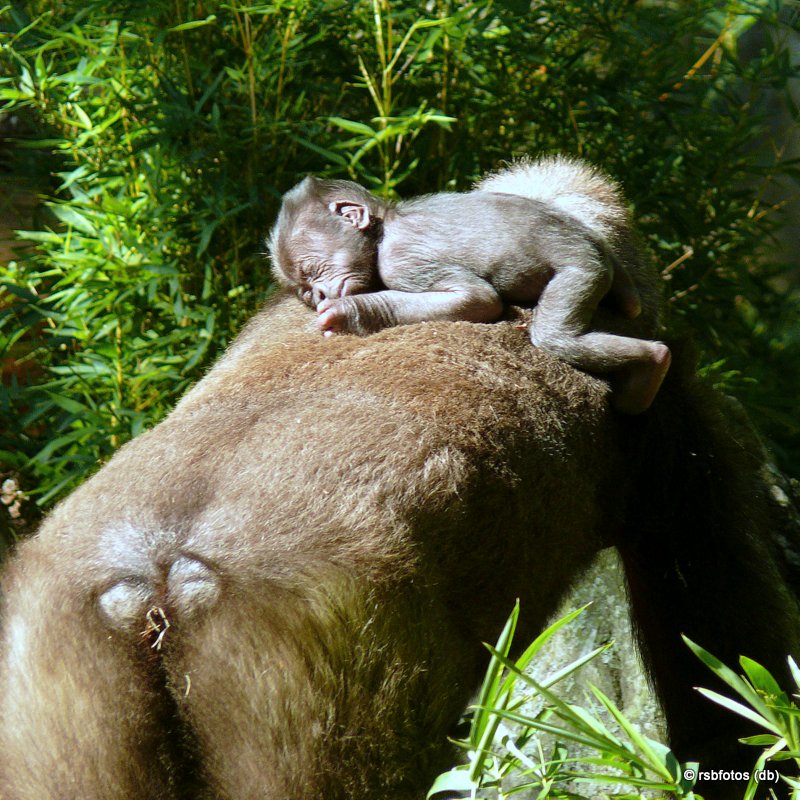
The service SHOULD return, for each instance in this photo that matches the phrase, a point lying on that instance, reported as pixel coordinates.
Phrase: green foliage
(505, 746)
(172, 128)
(505, 751)
(765, 704)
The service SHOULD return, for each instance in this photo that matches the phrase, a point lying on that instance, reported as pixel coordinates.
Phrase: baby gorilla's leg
(636, 386)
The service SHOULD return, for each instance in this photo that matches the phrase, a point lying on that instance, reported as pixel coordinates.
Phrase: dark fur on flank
(331, 528)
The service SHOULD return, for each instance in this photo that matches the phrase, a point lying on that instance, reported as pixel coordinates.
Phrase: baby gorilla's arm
(366, 313)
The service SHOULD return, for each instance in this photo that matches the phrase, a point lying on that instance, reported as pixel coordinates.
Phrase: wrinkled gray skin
(365, 264)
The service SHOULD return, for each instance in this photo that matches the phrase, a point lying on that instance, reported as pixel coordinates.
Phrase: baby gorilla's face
(326, 258)
(322, 275)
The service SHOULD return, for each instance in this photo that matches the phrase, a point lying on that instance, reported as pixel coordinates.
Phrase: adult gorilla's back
(281, 590)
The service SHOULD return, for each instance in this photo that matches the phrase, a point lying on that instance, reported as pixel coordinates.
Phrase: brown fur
(331, 527)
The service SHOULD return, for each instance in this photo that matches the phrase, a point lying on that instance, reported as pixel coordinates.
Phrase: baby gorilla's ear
(356, 214)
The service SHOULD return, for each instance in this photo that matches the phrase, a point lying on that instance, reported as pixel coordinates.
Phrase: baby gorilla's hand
(337, 315)
(360, 314)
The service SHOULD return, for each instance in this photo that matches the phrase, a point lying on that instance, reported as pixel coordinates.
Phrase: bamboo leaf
(352, 126)
(456, 780)
(739, 708)
(193, 24)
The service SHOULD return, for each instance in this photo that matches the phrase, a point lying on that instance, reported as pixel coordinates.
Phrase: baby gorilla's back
(514, 243)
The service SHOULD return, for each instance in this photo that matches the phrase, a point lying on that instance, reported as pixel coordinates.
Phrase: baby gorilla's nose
(324, 290)
(318, 294)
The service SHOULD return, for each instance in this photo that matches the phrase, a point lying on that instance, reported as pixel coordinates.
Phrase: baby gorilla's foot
(637, 386)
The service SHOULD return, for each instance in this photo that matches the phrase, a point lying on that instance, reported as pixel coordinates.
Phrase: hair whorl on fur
(575, 187)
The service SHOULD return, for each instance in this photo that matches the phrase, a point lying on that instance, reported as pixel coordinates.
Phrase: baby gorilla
(553, 232)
